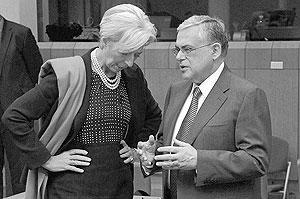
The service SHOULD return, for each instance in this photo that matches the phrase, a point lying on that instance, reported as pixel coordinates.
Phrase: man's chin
(185, 75)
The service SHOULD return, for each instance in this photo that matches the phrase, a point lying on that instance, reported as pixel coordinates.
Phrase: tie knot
(196, 92)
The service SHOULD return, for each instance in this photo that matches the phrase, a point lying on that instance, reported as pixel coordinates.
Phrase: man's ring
(131, 159)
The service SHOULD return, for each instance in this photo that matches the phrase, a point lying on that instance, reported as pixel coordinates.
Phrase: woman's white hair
(212, 26)
(129, 26)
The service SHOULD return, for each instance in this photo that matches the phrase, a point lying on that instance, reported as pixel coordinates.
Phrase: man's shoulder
(17, 27)
(242, 82)
(134, 71)
(242, 85)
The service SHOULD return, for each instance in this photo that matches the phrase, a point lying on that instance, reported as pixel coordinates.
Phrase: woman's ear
(217, 50)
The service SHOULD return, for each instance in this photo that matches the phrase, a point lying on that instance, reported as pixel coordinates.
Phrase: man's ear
(217, 50)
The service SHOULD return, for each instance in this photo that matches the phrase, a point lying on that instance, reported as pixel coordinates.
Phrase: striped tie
(183, 132)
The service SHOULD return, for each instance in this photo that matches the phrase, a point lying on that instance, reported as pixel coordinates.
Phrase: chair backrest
(279, 155)
(279, 163)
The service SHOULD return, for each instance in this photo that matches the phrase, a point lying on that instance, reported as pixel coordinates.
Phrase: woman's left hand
(127, 153)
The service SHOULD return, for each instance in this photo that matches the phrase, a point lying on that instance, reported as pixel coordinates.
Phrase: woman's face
(115, 61)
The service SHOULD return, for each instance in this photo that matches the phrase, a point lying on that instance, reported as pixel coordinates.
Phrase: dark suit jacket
(42, 100)
(231, 132)
(20, 62)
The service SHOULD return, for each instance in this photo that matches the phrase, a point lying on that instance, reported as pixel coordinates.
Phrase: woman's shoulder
(134, 71)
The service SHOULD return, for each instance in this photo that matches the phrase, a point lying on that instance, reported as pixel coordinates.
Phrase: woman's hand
(68, 160)
(127, 153)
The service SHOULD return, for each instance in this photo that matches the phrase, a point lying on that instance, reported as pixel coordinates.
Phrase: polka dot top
(108, 114)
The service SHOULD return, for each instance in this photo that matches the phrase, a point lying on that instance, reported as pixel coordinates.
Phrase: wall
(17, 11)
(247, 59)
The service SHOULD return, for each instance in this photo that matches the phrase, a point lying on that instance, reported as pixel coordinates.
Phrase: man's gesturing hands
(182, 156)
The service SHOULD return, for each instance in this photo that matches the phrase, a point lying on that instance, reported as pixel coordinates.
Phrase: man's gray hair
(212, 26)
(129, 26)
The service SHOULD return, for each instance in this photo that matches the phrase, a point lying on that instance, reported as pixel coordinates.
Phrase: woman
(94, 109)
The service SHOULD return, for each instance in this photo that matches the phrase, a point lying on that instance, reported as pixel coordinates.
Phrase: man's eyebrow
(185, 46)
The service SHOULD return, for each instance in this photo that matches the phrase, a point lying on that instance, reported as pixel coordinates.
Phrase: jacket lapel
(135, 99)
(5, 40)
(81, 115)
(211, 105)
(178, 100)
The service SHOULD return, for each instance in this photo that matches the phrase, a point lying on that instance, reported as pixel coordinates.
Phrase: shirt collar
(208, 84)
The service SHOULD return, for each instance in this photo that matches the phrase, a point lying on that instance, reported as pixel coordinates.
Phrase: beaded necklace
(109, 83)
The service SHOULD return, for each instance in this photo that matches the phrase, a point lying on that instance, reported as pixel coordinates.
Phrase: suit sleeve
(32, 56)
(252, 140)
(23, 111)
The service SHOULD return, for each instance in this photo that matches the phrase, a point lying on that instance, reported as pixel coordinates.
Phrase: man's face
(196, 65)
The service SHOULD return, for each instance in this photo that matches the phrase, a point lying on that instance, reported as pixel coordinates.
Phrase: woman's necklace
(109, 83)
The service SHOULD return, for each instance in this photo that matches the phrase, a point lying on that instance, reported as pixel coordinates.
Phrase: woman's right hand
(68, 160)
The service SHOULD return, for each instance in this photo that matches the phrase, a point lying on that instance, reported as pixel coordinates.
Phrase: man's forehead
(188, 36)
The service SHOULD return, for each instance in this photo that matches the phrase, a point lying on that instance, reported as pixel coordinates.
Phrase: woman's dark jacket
(42, 101)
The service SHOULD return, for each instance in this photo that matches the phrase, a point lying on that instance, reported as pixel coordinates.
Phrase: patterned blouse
(108, 114)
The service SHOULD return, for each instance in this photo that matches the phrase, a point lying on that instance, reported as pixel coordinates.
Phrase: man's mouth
(183, 66)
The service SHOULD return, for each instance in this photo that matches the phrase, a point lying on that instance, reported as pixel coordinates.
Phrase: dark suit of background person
(231, 133)
(20, 62)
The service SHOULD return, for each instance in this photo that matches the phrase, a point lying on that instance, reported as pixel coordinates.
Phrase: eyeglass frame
(177, 49)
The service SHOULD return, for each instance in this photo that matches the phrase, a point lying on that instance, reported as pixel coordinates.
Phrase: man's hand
(127, 153)
(146, 152)
(68, 160)
(183, 156)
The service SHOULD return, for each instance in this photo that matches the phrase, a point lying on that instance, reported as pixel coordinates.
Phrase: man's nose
(180, 56)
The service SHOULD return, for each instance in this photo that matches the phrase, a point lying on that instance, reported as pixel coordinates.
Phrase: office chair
(279, 163)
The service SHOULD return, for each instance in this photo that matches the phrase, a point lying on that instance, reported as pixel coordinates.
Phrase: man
(216, 128)
(20, 62)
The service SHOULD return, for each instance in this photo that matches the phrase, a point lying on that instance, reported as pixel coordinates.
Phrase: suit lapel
(211, 105)
(178, 100)
(5, 40)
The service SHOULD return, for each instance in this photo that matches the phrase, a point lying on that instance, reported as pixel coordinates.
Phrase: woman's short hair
(212, 26)
(129, 26)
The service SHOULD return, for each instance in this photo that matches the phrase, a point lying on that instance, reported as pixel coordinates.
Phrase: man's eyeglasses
(188, 50)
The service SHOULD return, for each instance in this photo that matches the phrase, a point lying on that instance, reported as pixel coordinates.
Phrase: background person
(97, 107)
(20, 62)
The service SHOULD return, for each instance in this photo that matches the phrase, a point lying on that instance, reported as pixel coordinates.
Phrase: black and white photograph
(150, 99)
